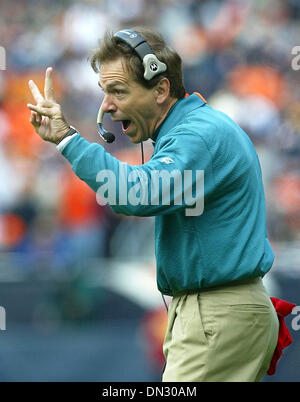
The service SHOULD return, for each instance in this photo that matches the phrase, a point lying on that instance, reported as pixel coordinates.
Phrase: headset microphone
(104, 134)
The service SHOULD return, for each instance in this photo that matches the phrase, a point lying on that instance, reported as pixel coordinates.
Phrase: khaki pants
(226, 333)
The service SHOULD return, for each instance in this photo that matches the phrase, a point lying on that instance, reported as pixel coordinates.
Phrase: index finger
(48, 89)
(38, 97)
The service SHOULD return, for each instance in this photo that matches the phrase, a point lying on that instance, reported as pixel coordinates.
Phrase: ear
(162, 90)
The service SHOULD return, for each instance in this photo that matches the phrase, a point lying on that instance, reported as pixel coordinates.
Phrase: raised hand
(46, 116)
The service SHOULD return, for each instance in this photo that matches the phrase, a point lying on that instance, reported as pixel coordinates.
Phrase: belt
(238, 282)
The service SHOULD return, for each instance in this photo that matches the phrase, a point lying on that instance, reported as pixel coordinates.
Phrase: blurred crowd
(240, 55)
(237, 54)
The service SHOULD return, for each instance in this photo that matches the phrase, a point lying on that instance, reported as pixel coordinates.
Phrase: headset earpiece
(152, 66)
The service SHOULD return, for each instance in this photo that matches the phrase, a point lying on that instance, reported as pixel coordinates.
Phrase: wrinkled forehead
(115, 70)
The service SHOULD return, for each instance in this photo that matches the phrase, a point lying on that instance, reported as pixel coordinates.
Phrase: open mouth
(125, 124)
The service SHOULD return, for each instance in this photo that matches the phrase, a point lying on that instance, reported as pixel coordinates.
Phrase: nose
(108, 105)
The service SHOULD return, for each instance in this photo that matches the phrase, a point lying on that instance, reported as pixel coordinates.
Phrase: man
(210, 238)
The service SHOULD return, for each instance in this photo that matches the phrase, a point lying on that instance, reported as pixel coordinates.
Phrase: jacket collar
(177, 112)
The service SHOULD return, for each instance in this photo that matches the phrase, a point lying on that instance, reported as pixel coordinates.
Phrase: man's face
(127, 101)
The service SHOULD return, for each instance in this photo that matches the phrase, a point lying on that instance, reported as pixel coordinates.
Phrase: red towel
(283, 308)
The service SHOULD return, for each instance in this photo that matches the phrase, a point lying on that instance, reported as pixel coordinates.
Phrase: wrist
(72, 130)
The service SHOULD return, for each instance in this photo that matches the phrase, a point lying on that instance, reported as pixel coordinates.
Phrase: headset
(152, 67)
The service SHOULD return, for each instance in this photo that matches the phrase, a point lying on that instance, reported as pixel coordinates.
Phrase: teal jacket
(210, 224)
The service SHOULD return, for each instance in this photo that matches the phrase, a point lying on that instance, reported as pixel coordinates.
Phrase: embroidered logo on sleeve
(167, 160)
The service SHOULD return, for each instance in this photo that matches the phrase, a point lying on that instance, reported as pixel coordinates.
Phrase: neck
(164, 112)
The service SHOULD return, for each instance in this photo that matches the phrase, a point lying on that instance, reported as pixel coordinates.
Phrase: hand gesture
(46, 117)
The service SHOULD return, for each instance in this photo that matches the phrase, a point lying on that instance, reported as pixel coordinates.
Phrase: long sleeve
(173, 178)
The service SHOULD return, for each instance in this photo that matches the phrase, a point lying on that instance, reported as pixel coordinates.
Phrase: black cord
(164, 302)
(165, 363)
(142, 149)
(164, 366)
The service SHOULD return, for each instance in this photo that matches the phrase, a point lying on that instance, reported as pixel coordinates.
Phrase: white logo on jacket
(167, 160)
